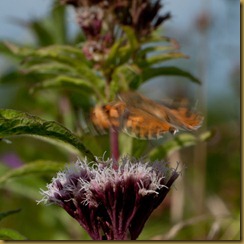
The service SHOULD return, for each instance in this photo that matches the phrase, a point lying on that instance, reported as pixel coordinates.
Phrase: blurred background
(205, 203)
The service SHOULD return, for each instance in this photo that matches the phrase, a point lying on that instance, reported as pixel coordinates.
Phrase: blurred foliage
(57, 82)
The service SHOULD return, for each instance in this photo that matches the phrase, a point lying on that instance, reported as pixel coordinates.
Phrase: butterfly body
(143, 118)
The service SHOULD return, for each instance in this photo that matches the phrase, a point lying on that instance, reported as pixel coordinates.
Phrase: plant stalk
(114, 145)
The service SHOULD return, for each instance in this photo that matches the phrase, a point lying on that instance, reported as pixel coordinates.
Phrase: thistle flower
(109, 203)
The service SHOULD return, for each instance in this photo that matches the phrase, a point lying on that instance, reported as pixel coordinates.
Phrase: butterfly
(143, 118)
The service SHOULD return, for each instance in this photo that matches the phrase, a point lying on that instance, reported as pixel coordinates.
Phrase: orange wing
(143, 118)
(104, 117)
(185, 119)
(180, 117)
(140, 124)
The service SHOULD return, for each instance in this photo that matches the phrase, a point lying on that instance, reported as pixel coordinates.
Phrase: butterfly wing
(184, 119)
(143, 118)
(178, 116)
(140, 124)
(104, 117)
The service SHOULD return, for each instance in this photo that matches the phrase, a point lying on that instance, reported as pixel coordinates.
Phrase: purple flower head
(102, 22)
(111, 204)
(90, 20)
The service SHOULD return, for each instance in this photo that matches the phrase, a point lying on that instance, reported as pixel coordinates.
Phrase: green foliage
(178, 142)
(132, 64)
(9, 234)
(39, 167)
(18, 123)
(55, 70)
(5, 214)
(65, 67)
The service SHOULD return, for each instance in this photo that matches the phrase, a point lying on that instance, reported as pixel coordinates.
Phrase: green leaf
(119, 54)
(36, 167)
(206, 135)
(131, 37)
(15, 49)
(9, 234)
(85, 74)
(14, 77)
(180, 141)
(13, 122)
(122, 76)
(145, 51)
(63, 81)
(122, 49)
(4, 50)
(159, 58)
(43, 36)
(153, 72)
(58, 59)
(168, 70)
(50, 68)
(57, 17)
(113, 54)
(62, 53)
(63, 59)
(5, 214)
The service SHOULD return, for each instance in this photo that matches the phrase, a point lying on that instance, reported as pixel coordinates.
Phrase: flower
(109, 203)
(102, 21)
(142, 16)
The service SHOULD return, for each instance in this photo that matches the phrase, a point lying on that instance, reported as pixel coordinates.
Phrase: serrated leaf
(13, 122)
(9, 234)
(36, 167)
(181, 141)
(6, 214)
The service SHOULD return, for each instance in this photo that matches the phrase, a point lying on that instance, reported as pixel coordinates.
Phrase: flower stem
(114, 145)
